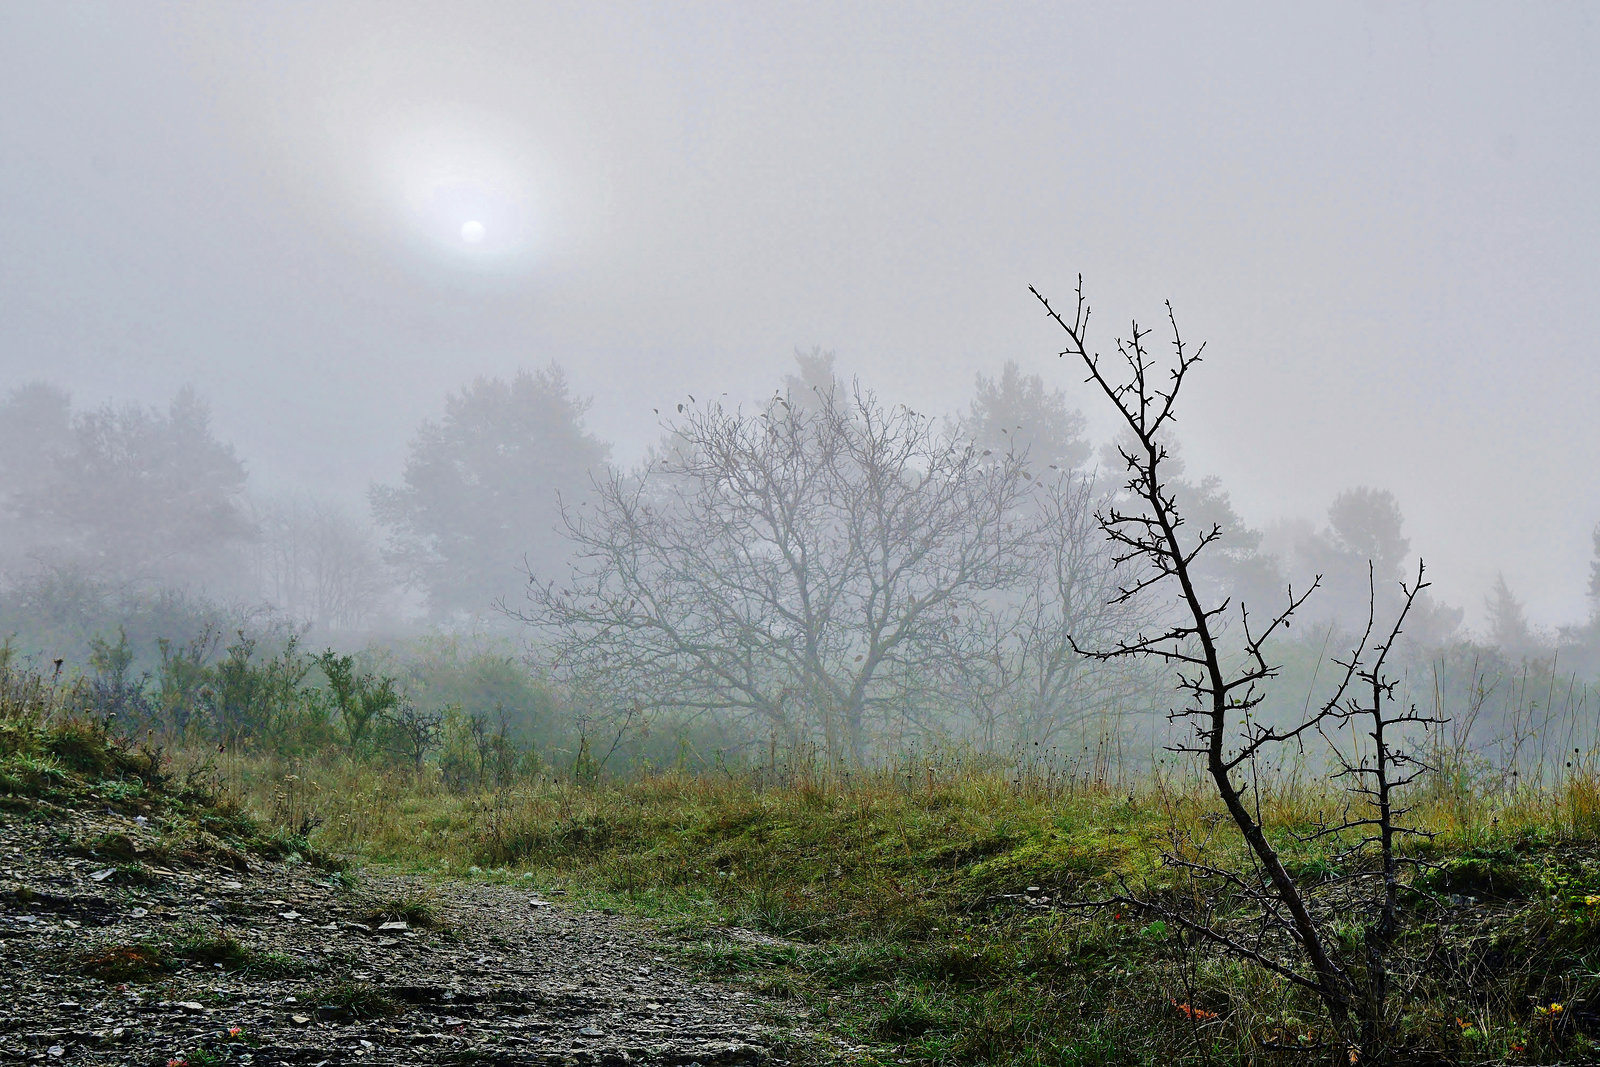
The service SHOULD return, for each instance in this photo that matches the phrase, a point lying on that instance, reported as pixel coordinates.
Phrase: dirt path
(147, 958)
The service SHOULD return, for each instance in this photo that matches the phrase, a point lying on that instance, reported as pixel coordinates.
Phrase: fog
(326, 219)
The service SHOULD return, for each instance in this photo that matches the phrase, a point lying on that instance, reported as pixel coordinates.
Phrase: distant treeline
(825, 569)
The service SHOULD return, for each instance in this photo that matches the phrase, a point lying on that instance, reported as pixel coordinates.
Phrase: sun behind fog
(465, 185)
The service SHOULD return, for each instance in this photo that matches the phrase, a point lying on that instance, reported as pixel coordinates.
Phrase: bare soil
(115, 949)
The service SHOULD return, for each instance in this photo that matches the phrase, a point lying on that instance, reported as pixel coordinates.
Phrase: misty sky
(1382, 218)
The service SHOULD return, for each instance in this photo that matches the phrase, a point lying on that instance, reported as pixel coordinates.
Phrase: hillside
(142, 921)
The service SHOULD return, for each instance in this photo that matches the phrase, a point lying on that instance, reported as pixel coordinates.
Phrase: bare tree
(1288, 929)
(416, 733)
(796, 565)
(320, 565)
(1376, 770)
(1014, 664)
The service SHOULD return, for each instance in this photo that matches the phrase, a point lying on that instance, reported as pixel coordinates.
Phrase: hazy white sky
(1381, 216)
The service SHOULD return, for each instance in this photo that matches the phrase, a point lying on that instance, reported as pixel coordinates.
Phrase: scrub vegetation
(984, 754)
(924, 908)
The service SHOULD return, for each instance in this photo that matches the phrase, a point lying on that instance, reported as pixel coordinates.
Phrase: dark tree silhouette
(131, 493)
(1017, 412)
(1508, 627)
(1291, 929)
(1367, 524)
(1594, 578)
(481, 495)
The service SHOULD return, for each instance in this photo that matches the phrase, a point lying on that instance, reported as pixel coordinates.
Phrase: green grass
(152, 958)
(909, 912)
(901, 914)
(350, 999)
(54, 751)
(416, 908)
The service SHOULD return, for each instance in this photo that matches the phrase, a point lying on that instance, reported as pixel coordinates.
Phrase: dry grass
(897, 904)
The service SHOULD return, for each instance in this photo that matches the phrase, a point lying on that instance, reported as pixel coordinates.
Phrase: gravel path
(147, 958)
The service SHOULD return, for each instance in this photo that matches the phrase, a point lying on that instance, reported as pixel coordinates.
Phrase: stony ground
(116, 949)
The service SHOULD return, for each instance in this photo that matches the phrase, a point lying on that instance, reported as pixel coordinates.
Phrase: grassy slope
(57, 758)
(902, 911)
(49, 762)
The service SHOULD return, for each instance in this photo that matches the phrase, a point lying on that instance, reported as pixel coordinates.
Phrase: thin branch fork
(1149, 536)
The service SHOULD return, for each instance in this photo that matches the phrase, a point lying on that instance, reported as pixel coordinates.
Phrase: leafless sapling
(416, 733)
(1279, 924)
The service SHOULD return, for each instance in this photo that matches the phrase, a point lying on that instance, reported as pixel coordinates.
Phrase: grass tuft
(356, 1000)
(417, 908)
(146, 960)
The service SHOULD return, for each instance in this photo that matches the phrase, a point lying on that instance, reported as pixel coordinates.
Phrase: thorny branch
(1293, 928)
